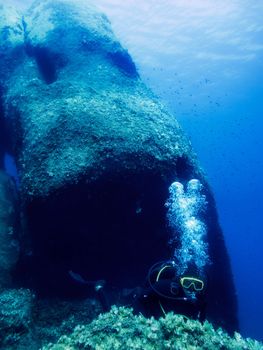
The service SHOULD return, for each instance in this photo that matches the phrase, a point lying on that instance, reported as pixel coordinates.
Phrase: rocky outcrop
(16, 326)
(82, 110)
(27, 322)
(121, 329)
(96, 152)
(95, 148)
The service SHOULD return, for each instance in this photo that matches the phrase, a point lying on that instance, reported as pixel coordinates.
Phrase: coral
(120, 329)
(184, 209)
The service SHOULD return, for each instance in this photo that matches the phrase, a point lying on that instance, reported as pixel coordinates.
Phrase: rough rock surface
(120, 329)
(81, 109)
(16, 325)
(96, 152)
(54, 317)
(27, 322)
(89, 135)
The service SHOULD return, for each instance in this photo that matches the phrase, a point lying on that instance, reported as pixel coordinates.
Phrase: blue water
(205, 60)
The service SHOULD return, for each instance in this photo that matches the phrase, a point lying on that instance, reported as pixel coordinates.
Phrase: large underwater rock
(96, 153)
(82, 110)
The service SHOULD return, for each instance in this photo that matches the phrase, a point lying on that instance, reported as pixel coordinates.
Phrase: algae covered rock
(27, 322)
(16, 325)
(9, 247)
(95, 149)
(96, 153)
(82, 111)
(120, 329)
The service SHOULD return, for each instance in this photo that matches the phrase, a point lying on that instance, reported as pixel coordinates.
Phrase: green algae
(120, 329)
(28, 323)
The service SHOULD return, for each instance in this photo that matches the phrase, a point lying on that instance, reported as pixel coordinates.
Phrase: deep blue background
(204, 58)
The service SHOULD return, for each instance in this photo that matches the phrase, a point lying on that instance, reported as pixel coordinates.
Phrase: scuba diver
(180, 283)
(166, 291)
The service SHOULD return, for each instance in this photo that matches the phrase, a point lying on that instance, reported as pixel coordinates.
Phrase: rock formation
(96, 153)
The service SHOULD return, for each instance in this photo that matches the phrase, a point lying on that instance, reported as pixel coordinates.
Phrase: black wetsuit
(164, 294)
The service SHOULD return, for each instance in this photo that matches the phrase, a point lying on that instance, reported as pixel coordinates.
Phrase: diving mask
(192, 283)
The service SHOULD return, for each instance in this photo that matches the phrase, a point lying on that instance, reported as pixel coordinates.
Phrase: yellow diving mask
(192, 283)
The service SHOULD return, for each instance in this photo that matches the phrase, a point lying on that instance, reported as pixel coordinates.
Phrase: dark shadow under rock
(113, 230)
